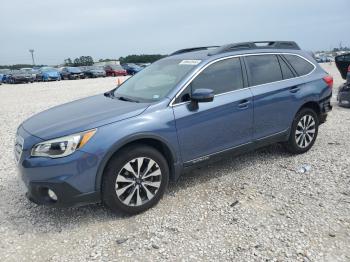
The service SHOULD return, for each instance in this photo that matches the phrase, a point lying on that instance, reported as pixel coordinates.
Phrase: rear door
(221, 124)
(274, 99)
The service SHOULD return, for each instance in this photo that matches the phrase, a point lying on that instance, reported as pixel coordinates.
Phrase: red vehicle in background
(115, 70)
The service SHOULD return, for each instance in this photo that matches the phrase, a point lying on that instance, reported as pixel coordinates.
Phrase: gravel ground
(254, 207)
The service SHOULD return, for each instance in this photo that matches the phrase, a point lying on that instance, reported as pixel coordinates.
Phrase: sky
(112, 28)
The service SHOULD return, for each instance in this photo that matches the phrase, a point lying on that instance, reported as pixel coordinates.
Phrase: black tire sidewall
(292, 144)
(111, 172)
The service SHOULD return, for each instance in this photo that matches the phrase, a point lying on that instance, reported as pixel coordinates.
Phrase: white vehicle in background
(31, 71)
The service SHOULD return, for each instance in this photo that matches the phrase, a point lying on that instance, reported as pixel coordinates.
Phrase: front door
(215, 126)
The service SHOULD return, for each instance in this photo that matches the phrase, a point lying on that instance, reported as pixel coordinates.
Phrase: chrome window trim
(171, 104)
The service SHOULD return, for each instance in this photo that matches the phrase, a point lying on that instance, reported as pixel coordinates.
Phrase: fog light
(52, 195)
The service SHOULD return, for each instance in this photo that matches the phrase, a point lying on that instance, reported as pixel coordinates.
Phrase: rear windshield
(300, 65)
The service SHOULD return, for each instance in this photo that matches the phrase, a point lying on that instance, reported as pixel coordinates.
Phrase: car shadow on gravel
(228, 163)
(28, 217)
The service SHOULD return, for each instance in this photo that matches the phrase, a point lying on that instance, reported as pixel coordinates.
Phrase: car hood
(51, 73)
(80, 115)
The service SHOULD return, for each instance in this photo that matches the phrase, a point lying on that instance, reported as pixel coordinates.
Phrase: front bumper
(53, 78)
(22, 80)
(76, 76)
(67, 196)
(98, 75)
(71, 178)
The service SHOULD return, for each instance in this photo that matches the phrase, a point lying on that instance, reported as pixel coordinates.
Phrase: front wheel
(304, 131)
(135, 179)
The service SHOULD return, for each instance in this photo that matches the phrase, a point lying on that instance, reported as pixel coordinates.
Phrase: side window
(300, 65)
(286, 71)
(223, 76)
(263, 69)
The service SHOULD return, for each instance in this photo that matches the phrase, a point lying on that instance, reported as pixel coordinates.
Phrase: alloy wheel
(138, 181)
(305, 131)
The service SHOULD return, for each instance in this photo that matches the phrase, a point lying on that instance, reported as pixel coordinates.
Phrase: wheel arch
(312, 105)
(154, 141)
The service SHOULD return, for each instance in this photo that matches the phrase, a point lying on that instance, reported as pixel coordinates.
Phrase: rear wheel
(135, 179)
(304, 131)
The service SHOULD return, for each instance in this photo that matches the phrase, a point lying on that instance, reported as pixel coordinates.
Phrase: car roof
(204, 54)
(216, 52)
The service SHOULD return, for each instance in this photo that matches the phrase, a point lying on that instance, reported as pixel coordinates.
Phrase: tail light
(349, 69)
(329, 81)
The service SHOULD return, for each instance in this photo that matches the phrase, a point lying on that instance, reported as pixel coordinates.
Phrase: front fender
(152, 124)
(127, 140)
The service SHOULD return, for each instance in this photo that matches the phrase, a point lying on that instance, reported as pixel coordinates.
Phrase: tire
(304, 131)
(122, 188)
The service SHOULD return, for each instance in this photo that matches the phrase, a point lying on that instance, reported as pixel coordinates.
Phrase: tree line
(88, 61)
(79, 61)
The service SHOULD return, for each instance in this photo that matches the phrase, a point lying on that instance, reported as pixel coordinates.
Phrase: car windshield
(154, 82)
(95, 68)
(74, 69)
(45, 69)
(116, 67)
(18, 72)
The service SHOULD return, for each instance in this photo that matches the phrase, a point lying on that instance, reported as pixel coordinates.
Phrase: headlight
(62, 146)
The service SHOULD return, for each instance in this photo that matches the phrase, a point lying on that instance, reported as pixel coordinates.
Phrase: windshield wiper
(123, 98)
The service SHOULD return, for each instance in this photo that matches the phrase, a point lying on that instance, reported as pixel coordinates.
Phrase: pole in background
(32, 53)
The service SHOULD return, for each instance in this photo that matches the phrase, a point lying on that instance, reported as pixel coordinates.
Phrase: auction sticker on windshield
(190, 62)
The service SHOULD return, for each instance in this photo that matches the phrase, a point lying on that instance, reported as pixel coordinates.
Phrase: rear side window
(263, 69)
(286, 71)
(300, 65)
(223, 76)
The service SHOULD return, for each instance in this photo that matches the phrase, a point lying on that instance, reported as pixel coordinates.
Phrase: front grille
(18, 148)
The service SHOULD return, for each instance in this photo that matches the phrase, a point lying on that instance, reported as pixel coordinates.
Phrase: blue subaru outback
(122, 147)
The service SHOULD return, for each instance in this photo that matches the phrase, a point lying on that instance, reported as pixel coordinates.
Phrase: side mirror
(202, 95)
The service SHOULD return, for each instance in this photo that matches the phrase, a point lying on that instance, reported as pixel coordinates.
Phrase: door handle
(243, 103)
(294, 89)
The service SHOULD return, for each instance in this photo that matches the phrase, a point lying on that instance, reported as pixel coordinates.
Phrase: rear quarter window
(300, 65)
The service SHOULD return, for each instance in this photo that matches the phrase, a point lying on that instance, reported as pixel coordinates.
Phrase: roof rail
(255, 45)
(192, 49)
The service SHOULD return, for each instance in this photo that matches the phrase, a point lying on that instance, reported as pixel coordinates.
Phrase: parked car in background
(31, 71)
(115, 70)
(71, 73)
(93, 71)
(343, 65)
(19, 76)
(132, 69)
(5, 73)
(47, 73)
(1, 76)
(123, 147)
